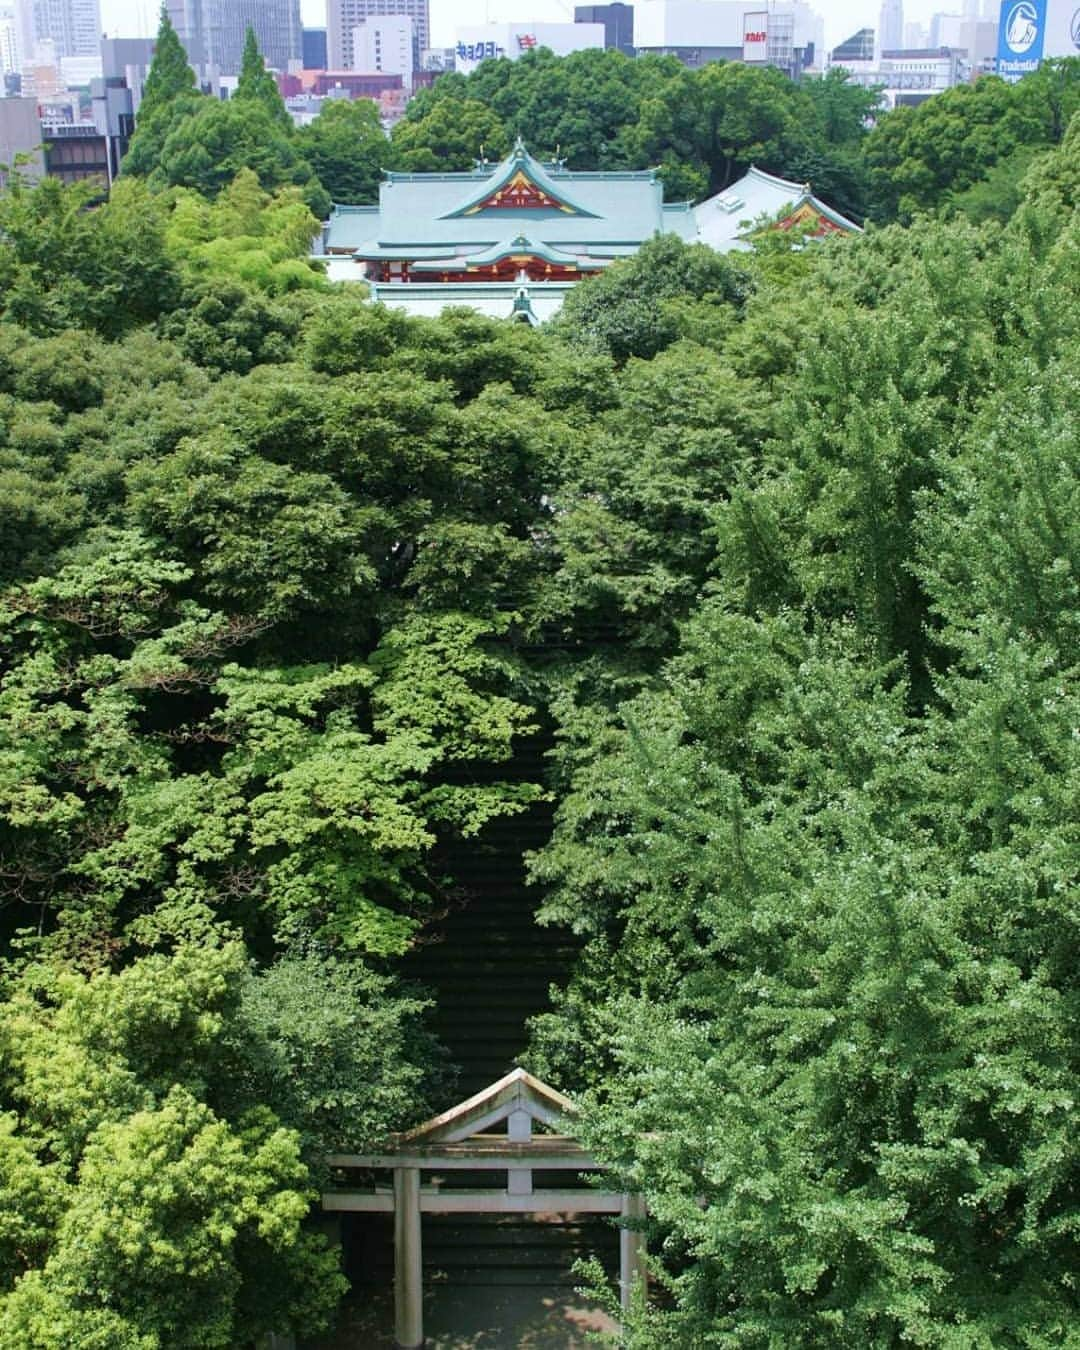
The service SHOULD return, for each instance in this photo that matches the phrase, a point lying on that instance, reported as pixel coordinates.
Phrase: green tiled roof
(420, 213)
(520, 161)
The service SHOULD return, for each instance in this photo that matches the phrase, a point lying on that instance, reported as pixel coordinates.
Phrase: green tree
(169, 94)
(452, 136)
(348, 149)
(170, 75)
(150, 1219)
(624, 310)
(257, 85)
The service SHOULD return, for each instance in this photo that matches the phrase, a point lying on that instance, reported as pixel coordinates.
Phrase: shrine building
(510, 239)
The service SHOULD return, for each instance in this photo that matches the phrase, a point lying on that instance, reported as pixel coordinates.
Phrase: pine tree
(170, 73)
(257, 84)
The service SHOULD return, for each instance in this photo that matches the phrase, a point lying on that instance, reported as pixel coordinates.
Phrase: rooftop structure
(510, 239)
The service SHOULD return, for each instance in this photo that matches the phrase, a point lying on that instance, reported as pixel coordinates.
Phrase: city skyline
(132, 18)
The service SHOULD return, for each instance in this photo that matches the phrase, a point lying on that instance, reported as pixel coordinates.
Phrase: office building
(343, 17)
(618, 21)
(213, 32)
(386, 44)
(313, 48)
(787, 34)
(9, 42)
(72, 26)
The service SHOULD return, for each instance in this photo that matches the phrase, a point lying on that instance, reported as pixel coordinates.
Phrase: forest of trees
(783, 546)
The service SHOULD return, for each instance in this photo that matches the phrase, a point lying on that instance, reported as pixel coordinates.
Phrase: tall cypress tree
(257, 84)
(170, 73)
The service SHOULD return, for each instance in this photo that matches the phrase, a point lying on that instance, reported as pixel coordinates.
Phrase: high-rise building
(313, 48)
(890, 30)
(618, 21)
(9, 42)
(342, 16)
(72, 26)
(213, 32)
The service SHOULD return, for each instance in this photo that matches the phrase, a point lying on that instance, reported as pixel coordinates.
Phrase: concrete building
(343, 17)
(386, 44)
(72, 26)
(125, 62)
(787, 34)
(20, 137)
(910, 77)
(213, 32)
(858, 47)
(618, 21)
(485, 42)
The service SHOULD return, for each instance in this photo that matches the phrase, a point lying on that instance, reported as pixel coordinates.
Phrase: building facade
(510, 239)
(386, 44)
(313, 48)
(618, 21)
(890, 29)
(489, 41)
(213, 32)
(910, 77)
(783, 33)
(344, 16)
(72, 26)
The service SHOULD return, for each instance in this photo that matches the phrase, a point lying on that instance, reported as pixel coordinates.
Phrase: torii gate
(455, 1141)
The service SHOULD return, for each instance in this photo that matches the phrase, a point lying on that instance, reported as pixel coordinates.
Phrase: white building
(484, 42)
(910, 77)
(343, 17)
(385, 43)
(784, 33)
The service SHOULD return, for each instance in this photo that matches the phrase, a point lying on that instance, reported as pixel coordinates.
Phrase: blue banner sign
(1021, 33)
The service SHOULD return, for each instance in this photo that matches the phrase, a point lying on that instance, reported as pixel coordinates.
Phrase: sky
(133, 18)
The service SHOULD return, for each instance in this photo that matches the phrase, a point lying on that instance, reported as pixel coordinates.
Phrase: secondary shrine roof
(724, 221)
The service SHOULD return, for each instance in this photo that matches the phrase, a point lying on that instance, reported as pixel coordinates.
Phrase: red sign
(526, 40)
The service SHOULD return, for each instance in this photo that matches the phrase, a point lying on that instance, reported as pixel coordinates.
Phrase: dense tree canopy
(779, 551)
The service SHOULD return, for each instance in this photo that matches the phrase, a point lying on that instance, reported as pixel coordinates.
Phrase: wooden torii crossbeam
(456, 1141)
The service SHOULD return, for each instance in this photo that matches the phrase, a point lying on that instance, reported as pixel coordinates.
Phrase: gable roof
(518, 161)
(518, 1091)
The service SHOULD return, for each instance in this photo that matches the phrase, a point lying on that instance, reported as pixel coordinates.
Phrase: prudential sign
(1021, 33)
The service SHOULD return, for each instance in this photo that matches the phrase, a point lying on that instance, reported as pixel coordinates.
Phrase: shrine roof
(427, 210)
(724, 220)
